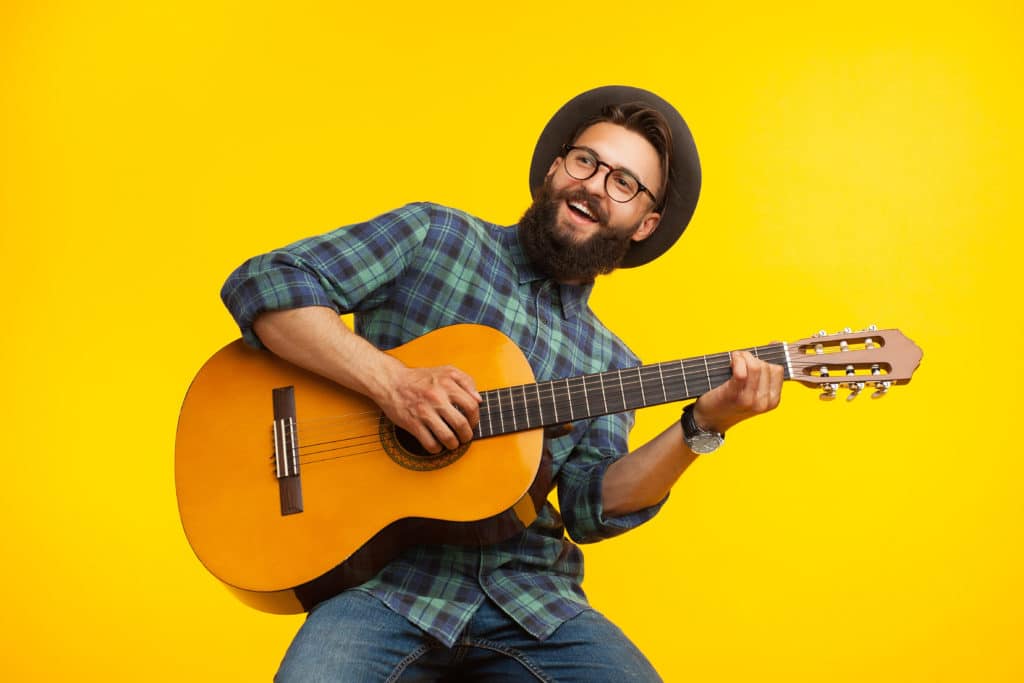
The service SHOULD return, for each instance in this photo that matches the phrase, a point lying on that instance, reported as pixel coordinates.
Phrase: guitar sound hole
(411, 445)
(402, 447)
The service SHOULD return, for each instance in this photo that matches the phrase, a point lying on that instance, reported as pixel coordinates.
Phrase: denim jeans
(353, 637)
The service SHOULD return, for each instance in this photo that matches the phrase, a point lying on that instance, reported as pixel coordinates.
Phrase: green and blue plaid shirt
(422, 267)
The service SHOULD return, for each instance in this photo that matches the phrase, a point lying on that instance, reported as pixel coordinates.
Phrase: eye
(583, 159)
(624, 181)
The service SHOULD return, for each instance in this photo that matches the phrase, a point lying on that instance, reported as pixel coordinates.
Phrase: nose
(595, 184)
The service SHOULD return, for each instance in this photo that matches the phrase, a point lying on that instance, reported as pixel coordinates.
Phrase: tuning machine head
(881, 389)
(828, 391)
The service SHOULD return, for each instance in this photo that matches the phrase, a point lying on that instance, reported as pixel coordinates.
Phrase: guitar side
(352, 489)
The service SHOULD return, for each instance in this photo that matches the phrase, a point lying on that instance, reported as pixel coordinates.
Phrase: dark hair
(642, 119)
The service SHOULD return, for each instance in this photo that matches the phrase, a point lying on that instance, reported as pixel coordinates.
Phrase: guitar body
(364, 494)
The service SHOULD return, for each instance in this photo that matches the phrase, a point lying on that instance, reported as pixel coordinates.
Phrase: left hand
(754, 388)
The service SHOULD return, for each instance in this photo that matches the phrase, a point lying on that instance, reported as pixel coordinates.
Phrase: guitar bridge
(286, 451)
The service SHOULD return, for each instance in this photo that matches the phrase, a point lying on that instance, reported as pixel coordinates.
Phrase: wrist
(380, 376)
(698, 438)
(703, 421)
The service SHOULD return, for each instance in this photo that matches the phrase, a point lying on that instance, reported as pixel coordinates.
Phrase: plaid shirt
(424, 266)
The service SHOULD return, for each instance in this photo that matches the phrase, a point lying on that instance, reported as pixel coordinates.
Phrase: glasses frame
(597, 167)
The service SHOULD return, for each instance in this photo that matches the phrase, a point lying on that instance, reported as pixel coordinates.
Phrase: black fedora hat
(684, 172)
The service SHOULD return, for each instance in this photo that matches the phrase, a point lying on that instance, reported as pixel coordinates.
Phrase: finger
(467, 383)
(752, 376)
(425, 437)
(778, 375)
(739, 366)
(764, 388)
(457, 423)
(442, 432)
(466, 405)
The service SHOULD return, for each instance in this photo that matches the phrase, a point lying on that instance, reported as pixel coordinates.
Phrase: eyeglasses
(581, 163)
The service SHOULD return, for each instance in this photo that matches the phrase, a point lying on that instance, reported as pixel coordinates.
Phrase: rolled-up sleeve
(349, 269)
(581, 479)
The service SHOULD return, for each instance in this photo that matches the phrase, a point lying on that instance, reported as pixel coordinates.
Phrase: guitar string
(368, 439)
(576, 384)
(557, 399)
(516, 406)
(372, 445)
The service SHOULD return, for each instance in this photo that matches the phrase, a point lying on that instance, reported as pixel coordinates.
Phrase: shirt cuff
(590, 521)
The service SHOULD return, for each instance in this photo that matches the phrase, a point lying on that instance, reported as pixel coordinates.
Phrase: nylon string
(319, 441)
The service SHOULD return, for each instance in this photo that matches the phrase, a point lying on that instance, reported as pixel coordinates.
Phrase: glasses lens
(621, 186)
(580, 164)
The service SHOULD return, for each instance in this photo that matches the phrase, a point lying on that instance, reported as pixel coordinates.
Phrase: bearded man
(615, 179)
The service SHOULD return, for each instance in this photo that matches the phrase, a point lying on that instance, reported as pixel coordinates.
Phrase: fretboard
(560, 401)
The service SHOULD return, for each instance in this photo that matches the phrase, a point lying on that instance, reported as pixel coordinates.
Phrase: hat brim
(685, 168)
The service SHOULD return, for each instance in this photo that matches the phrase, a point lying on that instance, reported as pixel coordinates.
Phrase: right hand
(440, 406)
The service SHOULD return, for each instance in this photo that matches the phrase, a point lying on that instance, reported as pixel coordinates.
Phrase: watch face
(704, 442)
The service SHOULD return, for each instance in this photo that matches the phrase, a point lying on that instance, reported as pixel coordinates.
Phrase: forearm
(644, 476)
(438, 405)
(315, 338)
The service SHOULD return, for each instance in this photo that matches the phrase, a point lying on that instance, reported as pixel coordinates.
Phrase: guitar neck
(560, 401)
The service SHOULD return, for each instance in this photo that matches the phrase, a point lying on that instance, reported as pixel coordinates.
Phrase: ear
(553, 167)
(647, 227)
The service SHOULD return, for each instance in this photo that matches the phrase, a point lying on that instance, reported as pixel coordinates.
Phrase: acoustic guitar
(292, 488)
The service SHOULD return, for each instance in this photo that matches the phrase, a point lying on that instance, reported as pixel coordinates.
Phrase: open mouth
(581, 210)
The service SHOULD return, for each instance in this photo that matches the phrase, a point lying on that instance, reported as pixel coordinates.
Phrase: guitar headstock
(854, 360)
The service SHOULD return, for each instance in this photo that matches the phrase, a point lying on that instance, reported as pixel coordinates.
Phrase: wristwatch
(700, 441)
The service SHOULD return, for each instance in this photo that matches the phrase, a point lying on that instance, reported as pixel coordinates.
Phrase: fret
(501, 417)
(512, 409)
(586, 397)
(612, 396)
(554, 403)
(707, 373)
(640, 377)
(526, 407)
(661, 380)
(568, 396)
(540, 404)
(686, 389)
(604, 396)
(693, 375)
(622, 390)
(486, 425)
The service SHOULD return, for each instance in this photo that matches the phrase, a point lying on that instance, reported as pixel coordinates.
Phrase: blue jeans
(355, 637)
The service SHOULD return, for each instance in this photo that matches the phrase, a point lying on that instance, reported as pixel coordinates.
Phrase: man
(615, 178)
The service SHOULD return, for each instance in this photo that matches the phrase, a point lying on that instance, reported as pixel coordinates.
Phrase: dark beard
(560, 258)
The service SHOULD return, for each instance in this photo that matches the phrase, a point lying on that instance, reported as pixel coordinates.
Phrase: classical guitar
(291, 488)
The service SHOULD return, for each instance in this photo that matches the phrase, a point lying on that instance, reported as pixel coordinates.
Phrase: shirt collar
(573, 298)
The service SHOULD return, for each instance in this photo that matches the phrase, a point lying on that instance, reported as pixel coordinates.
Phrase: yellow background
(861, 165)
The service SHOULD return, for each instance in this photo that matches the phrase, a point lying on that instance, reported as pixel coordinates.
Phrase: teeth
(582, 209)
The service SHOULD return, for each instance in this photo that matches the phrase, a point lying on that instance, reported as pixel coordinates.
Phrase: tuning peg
(881, 389)
(828, 391)
(869, 343)
(855, 389)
